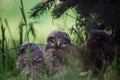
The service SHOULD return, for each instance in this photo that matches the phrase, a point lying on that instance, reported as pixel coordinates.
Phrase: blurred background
(9, 9)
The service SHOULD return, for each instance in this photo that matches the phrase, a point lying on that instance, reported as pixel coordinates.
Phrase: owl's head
(97, 37)
(58, 39)
(30, 47)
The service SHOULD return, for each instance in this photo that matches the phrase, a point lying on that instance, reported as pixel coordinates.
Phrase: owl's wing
(79, 56)
(73, 50)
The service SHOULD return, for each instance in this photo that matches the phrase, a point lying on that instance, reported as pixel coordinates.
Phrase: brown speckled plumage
(101, 50)
(30, 59)
(58, 51)
(95, 48)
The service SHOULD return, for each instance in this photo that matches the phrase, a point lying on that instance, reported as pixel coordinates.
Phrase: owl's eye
(64, 41)
(53, 40)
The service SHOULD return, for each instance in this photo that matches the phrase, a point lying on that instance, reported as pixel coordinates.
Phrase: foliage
(9, 47)
(40, 8)
(92, 14)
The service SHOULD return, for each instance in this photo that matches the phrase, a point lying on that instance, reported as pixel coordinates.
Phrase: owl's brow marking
(14, 48)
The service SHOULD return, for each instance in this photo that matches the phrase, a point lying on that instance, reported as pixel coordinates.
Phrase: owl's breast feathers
(54, 55)
(55, 59)
(34, 61)
(37, 60)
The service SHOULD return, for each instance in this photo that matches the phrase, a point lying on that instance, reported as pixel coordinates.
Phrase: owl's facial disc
(58, 42)
(61, 43)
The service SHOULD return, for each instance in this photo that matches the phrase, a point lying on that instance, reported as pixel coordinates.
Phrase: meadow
(16, 27)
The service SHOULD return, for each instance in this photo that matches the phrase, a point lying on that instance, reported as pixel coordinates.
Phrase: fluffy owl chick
(95, 48)
(58, 51)
(30, 59)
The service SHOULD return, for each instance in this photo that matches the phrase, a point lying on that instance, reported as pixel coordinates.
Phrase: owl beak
(58, 44)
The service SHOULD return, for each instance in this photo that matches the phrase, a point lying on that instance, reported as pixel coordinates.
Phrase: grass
(8, 56)
(8, 69)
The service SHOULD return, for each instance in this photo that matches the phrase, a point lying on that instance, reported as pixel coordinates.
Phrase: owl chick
(112, 48)
(59, 51)
(95, 48)
(30, 59)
